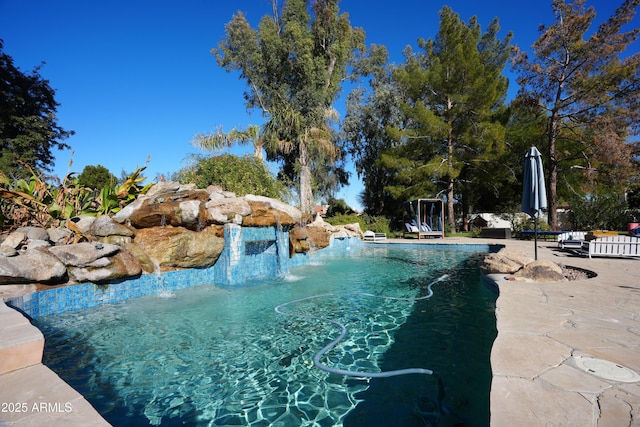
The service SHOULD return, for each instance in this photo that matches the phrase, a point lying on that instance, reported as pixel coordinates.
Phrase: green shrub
(343, 219)
(600, 212)
(377, 224)
(240, 175)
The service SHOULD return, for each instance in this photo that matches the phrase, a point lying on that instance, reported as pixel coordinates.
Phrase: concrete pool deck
(546, 333)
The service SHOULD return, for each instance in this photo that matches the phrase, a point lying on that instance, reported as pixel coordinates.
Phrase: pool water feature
(220, 356)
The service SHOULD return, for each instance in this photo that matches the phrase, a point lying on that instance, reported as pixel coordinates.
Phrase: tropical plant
(219, 140)
(35, 202)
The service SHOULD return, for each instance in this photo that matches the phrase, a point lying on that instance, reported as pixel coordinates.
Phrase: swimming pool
(223, 356)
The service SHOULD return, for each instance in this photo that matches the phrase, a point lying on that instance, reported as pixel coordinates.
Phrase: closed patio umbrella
(534, 194)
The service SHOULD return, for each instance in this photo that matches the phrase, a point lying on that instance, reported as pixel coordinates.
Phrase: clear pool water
(208, 356)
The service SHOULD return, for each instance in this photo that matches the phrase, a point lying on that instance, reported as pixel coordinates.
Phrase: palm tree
(218, 140)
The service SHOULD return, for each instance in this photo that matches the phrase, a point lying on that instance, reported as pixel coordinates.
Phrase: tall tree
(96, 177)
(371, 108)
(29, 128)
(588, 89)
(294, 64)
(454, 90)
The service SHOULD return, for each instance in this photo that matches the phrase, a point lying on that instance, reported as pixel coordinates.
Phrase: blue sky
(136, 79)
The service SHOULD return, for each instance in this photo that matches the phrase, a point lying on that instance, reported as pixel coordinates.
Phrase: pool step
(21, 343)
(30, 393)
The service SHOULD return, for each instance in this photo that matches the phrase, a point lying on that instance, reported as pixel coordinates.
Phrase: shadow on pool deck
(543, 330)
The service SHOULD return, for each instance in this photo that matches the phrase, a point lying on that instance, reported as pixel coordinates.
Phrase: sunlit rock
(171, 247)
(34, 233)
(506, 261)
(291, 215)
(33, 266)
(121, 265)
(266, 214)
(104, 226)
(182, 209)
(146, 263)
(319, 236)
(298, 240)
(83, 254)
(227, 210)
(14, 240)
(540, 271)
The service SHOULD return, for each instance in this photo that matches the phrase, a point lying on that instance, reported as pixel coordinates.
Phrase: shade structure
(534, 193)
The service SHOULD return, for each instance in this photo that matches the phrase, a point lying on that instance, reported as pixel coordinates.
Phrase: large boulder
(166, 203)
(225, 210)
(354, 230)
(319, 236)
(34, 233)
(217, 192)
(182, 209)
(83, 222)
(60, 235)
(170, 247)
(121, 265)
(123, 214)
(168, 187)
(23, 239)
(298, 240)
(14, 240)
(83, 254)
(104, 226)
(34, 266)
(145, 262)
(506, 261)
(268, 212)
(540, 271)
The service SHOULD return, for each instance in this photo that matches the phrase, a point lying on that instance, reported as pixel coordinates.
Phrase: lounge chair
(423, 231)
(372, 236)
(571, 239)
(411, 228)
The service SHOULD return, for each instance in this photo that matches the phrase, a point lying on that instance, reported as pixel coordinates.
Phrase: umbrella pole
(535, 236)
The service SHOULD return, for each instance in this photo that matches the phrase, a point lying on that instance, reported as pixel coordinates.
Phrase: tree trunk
(450, 211)
(451, 220)
(306, 193)
(553, 172)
